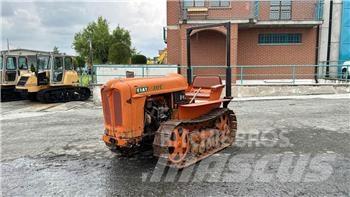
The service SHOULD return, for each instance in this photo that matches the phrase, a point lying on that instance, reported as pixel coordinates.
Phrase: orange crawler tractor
(184, 120)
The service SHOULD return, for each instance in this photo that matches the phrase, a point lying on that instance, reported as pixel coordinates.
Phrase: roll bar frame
(228, 55)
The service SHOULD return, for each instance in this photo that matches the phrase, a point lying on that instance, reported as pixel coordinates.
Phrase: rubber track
(63, 94)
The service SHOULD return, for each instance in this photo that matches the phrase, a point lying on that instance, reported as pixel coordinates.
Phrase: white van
(345, 70)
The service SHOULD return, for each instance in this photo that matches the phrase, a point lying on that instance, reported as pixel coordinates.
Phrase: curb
(303, 97)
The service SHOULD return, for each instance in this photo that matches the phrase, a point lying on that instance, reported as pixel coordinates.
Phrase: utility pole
(91, 59)
(91, 53)
(8, 46)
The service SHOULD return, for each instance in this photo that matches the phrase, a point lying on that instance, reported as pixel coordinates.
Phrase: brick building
(262, 33)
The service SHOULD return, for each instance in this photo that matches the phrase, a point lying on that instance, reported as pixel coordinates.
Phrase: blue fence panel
(345, 32)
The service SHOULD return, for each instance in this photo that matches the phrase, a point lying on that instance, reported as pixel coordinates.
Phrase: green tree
(55, 50)
(121, 35)
(114, 48)
(98, 34)
(139, 59)
(119, 53)
(79, 62)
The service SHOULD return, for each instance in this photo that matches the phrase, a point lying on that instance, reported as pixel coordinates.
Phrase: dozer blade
(10, 94)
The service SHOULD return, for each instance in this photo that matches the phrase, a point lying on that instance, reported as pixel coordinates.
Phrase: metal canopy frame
(228, 54)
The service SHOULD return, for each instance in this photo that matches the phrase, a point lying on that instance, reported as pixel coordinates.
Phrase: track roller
(184, 143)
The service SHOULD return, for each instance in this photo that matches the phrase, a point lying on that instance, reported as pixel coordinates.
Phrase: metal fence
(103, 73)
(280, 74)
(241, 74)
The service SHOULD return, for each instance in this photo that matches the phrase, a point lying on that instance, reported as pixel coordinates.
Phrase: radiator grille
(111, 104)
(22, 81)
(10, 75)
(117, 108)
(105, 107)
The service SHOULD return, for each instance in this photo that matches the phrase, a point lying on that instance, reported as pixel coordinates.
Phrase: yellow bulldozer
(52, 80)
(11, 67)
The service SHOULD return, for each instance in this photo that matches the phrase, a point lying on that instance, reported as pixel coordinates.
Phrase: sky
(43, 24)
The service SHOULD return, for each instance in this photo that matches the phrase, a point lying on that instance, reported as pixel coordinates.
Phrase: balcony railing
(311, 10)
(234, 10)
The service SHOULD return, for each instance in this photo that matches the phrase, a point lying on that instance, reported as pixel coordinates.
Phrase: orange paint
(123, 103)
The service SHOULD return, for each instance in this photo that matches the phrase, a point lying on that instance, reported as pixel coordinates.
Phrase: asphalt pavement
(290, 147)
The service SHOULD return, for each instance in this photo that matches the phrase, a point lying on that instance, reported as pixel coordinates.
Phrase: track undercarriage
(183, 143)
(10, 94)
(61, 94)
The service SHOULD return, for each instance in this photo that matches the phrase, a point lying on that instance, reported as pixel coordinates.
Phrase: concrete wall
(323, 39)
(335, 35)
(108, 72)
(288, 90)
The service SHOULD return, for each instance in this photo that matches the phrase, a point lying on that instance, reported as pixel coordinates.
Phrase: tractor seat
(206, 84)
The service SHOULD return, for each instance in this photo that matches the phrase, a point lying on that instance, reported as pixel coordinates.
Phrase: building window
(219, 3)
(193, 3)
(282, 38)
(165, 34)
(281, 10)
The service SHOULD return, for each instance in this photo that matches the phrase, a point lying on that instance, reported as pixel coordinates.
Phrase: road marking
(33, 108)
(23, 115)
